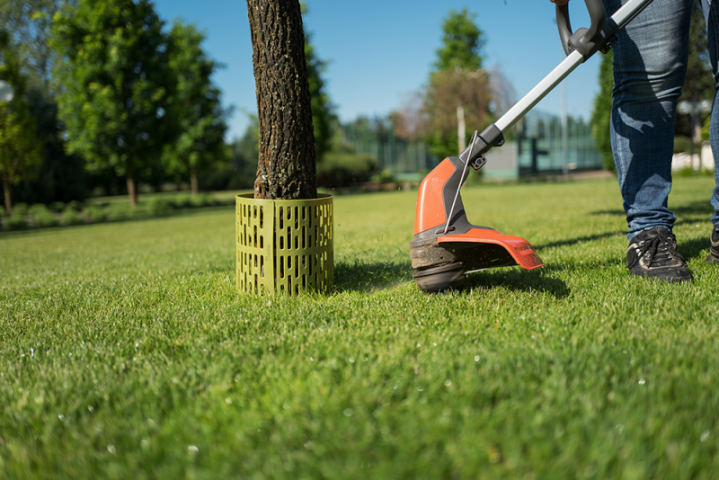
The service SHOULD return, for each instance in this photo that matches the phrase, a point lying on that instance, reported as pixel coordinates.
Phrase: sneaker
(653, 253)
(714, 252)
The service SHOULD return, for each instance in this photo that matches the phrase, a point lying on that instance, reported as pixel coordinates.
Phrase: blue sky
(380, 51)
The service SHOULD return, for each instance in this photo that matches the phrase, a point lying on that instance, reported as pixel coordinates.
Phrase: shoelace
(659, 250)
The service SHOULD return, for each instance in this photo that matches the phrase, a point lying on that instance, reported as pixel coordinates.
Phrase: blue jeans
(650, 63)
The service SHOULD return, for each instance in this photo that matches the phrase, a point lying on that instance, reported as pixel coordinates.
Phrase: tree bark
(130, 181)
(286, 164)
(193, 182)
(8, 196)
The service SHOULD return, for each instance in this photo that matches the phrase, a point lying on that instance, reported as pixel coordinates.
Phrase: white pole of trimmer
(573, 60)
(531, 99)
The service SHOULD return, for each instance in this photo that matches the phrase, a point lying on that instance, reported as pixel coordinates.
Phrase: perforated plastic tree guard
(284, 246)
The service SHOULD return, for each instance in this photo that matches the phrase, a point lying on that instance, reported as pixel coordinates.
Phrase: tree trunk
(193, 182)
(130, 180)
(286, 165)
(8, 197)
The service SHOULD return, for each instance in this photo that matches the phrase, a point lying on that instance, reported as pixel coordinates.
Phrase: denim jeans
(650, 63)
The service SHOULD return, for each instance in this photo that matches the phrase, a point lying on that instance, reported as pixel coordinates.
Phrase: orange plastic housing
(430, 206)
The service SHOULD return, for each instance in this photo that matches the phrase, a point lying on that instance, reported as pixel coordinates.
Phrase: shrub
(182, 201)
(42, 216)
(94, 213)
(385, 176)
(69, 216)
(343, 170)
(19, 209)
(15, 221)
(683, 144)
(159, 206)
(119, 210)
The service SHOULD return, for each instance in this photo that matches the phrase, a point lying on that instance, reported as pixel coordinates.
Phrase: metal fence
(535, 147)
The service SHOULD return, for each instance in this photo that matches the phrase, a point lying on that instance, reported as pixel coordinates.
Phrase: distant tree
(462, 42)
(456, 82)
(19, 145)
(286, 165)
(602, 112)
(699, 83)
(195, 106)
(28, 23)
(114, 84)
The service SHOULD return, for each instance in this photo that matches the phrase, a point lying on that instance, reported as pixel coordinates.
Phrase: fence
(535, 147)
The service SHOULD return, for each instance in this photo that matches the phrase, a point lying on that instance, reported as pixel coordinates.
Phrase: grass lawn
(126, 352)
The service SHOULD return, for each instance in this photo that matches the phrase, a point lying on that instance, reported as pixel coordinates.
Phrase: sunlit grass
(126, 351)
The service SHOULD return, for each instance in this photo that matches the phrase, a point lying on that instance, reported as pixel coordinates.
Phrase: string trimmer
(446, 246)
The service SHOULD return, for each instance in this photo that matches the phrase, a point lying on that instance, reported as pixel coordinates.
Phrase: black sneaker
(714, 252)
(653, 253)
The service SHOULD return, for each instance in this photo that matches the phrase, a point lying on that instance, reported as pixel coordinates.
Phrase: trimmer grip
(598, 19)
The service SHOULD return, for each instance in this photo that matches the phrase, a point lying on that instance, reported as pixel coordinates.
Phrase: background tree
(195, 105)
(286, 164)
(115, 84)
(462, 43)
(699, 83)
(60, 176)
(28, 24)
(602, 112)
(457, 81)
(19, 145)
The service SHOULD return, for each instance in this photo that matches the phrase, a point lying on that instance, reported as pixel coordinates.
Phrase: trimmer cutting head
(443, 252)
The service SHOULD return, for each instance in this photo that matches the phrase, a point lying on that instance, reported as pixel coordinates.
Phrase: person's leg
(711, 15)
(649, 68)
(650, 58)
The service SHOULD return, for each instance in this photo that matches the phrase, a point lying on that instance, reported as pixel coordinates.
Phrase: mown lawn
(125, 352)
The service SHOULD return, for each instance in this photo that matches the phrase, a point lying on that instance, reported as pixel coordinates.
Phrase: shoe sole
(690, 278)
(712, 259)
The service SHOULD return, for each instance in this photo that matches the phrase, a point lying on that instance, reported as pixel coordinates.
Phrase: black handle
(598, 18)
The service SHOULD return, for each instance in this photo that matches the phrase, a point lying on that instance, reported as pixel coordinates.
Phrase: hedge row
(74, 213)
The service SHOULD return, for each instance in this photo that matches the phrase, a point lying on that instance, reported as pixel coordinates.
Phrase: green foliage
(116, 86)
(194, 104)
(94, 213)
(344, 169)
(42, 216)
(128, 352)
(15, 221)
(383, 176)
(70, 217)
(28, 23)
(602, 112)
(19, 145)
(682, 144)
(462, 42)
(159, 206)
(456, 81)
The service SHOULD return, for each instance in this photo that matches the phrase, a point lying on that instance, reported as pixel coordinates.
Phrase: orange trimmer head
(446, 246)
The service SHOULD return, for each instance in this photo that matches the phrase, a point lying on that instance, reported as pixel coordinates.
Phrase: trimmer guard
(488, 248)
(478, 249)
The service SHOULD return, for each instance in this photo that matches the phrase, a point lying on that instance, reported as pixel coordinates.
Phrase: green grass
(125, 351)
